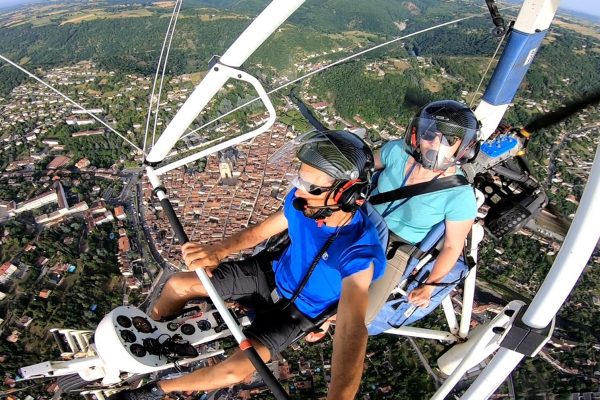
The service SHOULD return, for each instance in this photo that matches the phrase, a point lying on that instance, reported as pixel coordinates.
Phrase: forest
(462, 51)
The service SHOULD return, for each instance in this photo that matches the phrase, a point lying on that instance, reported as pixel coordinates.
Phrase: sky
(587, 6)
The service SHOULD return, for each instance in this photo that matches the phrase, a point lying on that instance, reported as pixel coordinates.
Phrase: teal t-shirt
(413, 219)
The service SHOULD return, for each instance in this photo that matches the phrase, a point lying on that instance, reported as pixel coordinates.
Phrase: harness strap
(419, 189)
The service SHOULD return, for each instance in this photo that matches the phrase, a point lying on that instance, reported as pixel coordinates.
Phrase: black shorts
(251, 281)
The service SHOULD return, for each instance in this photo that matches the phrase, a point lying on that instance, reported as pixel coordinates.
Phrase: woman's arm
(454, 241)
(378, 164)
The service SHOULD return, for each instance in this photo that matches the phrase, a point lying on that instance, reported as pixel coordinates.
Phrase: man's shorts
(252, 281)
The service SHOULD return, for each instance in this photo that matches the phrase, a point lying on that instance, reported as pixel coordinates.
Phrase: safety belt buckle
(275, 297)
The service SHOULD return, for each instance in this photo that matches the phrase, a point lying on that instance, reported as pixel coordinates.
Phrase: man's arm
(208, 256)
(454, 241)
(350, 339)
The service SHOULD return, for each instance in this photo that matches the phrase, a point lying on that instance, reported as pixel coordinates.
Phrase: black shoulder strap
(418, 189)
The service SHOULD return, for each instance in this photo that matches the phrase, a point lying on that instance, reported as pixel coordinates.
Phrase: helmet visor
(439, 141)
(315, 148)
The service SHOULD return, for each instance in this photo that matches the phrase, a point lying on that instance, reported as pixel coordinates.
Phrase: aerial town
(48, 185)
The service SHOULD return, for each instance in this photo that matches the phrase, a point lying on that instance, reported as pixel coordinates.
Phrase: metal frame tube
(467, 303)
(450, 316)
(477, 234)
(487, 342)
(258, 31)
(244, 344)
(566, 270)
(573, 256)
(422, 333)
(464, 366)
(262, 93)
(535, 16)
(493, 375)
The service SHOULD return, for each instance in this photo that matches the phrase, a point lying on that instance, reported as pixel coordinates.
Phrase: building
(58, 162)
(133, 283)
(120, 213)
(6, 271)
(51, 142)
(320, 105)
(83, 163)
(36, 202)
(124, 245)
(92, 132)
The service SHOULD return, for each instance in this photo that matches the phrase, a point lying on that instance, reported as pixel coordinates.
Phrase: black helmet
(340, 154)
(441, 124)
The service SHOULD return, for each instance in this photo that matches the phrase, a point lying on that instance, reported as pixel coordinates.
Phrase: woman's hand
(421, 296)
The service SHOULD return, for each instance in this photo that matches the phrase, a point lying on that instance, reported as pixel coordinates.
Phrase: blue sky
(587, 6)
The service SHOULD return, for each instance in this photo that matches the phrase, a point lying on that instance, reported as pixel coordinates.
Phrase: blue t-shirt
(354, 249)
(415, 218)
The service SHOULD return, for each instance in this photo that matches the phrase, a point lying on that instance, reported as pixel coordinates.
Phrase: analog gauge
(204, 325)
(143, 325)
(137, 350)
(128, 336)
(187, 329)
(124, 321)
(172, 326)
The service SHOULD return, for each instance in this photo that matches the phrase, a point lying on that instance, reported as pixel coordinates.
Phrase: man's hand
(202, 256)
(421, 296)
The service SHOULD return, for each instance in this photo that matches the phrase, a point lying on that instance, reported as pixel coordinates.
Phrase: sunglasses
(308, 187)
(430, 135)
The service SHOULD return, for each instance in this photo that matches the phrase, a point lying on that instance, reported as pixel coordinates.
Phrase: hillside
(380, 89)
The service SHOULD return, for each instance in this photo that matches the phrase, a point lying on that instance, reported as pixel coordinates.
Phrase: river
(307, 113)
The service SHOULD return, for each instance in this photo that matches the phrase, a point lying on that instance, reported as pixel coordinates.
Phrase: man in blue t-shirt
(333, 242)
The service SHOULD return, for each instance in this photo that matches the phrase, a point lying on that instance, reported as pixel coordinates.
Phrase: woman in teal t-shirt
(441, 136)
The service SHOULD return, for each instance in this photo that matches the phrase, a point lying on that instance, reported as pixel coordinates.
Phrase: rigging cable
(160, 59)
(488, 67)
(70, 101)
(340, 61)
(162, 77)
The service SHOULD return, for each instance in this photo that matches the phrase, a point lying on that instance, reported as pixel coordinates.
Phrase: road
(138, 221)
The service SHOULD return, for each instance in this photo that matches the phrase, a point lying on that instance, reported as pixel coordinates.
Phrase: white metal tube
(450, 316)
(258, 31)
(477, 234)
(155, 182)
(465, 365)
(422, 333)
(204, 92)
(573, 256)
(239, 75)
(219, 304)
(481, 348)
(69, 337)
(493, 375)
(467, 303)
(536, 15)
(80, 341)
(215, 148)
